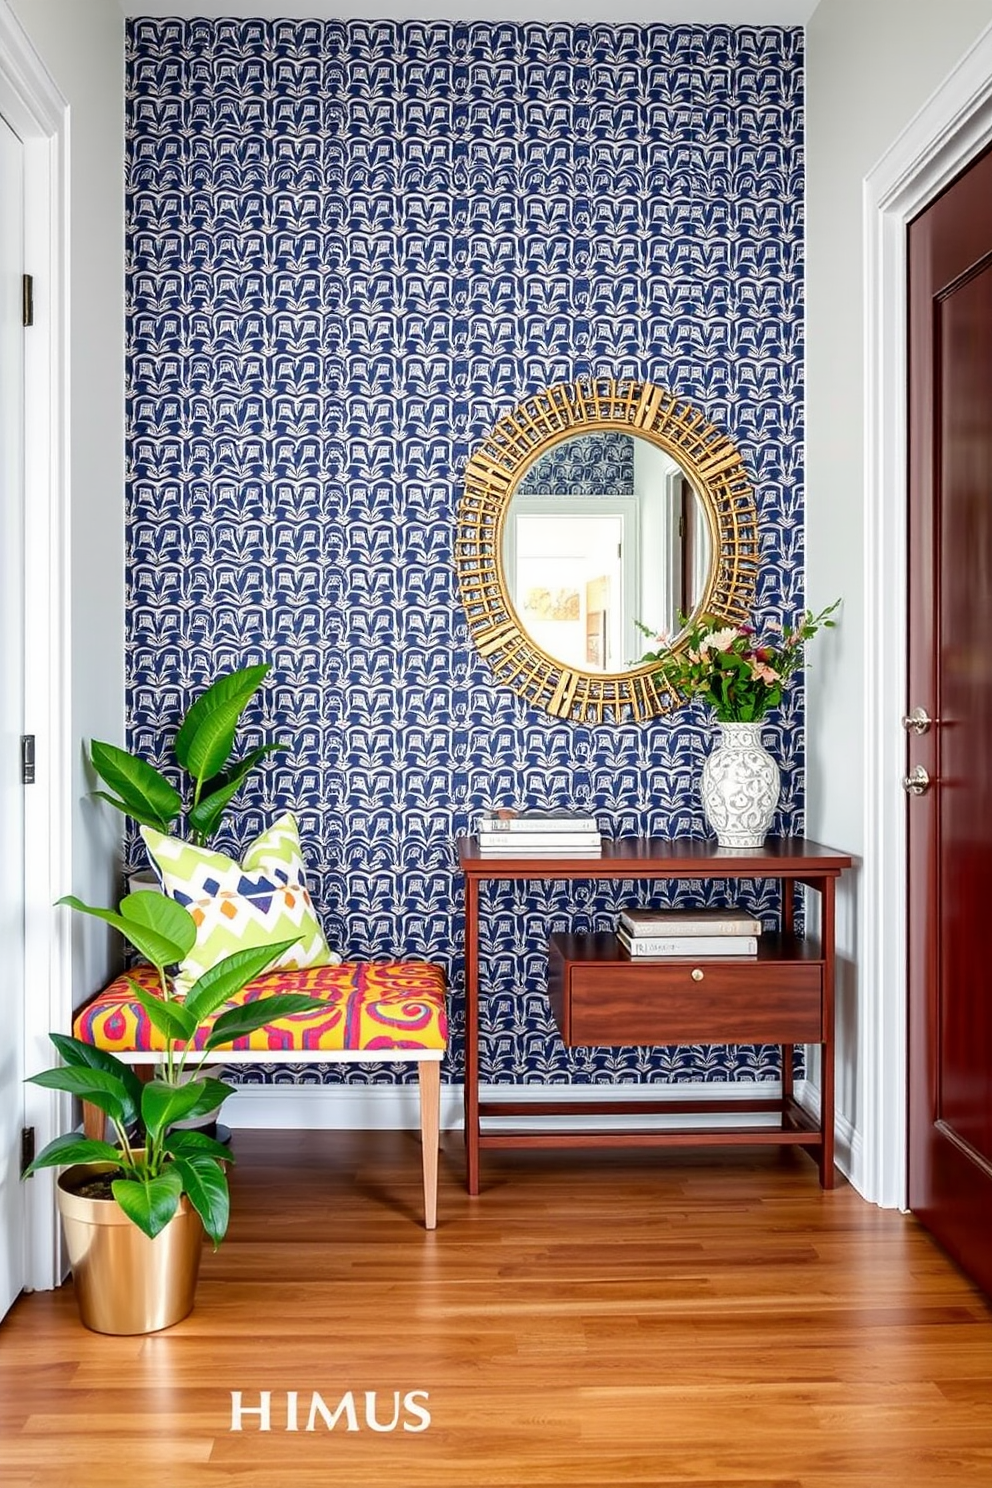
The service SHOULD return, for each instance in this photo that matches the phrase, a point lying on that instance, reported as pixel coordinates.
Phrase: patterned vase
(740, 786)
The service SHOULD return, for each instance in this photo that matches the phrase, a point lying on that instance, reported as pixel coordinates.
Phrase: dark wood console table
(600, 996)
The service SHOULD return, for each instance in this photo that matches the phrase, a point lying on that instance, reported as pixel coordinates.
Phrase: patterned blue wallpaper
(583, 465)
(352, 247)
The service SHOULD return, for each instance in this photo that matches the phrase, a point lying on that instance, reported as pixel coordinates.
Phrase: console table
(599, 995)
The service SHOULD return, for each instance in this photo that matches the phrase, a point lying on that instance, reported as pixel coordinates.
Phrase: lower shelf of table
(796, 1126)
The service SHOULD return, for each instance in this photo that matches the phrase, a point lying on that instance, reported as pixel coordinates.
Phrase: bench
(370, 1012)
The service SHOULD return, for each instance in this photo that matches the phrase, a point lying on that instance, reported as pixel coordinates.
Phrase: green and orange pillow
(261, 900)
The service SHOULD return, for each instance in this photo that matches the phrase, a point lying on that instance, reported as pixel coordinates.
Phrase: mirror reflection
(604, 529)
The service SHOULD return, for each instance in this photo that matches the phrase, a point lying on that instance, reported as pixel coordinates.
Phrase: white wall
(871, 64)
(81, 43)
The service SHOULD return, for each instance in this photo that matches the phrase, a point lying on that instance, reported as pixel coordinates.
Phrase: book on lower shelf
(509, 821)
(638, 922)
(660, 947)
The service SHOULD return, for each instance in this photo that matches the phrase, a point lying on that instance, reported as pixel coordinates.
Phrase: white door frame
(952, 127)
(37, 112)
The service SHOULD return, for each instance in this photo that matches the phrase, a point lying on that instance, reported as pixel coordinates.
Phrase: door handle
(917, 722)
(918, 782)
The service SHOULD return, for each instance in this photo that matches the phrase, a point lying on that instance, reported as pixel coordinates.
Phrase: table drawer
(745, 1002)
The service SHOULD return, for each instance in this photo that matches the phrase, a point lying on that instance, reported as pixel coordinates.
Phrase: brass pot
(125, 1282)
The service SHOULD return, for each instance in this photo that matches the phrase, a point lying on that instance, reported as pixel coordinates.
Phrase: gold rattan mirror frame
(715, 469)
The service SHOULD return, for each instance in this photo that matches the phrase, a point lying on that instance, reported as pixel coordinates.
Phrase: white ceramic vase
(740, 786)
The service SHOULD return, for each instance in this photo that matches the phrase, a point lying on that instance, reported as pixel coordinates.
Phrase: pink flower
(762, 673)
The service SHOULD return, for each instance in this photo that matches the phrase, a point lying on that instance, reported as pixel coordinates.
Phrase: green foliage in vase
(729, 667)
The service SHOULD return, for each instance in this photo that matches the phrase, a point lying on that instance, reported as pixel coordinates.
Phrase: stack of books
(539, 834)
(661, 933)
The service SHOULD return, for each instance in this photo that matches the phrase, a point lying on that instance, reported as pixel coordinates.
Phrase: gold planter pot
(125, 1282)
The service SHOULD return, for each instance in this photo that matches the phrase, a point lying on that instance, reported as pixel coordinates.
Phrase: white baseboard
(396, 1108)
(848, 1155)
(334, 1107)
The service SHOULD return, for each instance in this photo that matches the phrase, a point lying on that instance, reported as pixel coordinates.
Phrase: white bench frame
(428, 1062)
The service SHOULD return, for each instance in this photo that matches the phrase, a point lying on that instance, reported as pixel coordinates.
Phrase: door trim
(954, 125)
(36, 110)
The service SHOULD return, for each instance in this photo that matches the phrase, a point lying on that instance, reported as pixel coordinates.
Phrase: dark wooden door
(950, 669)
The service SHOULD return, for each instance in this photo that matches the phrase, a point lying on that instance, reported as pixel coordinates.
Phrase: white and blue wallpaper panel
(352, 247)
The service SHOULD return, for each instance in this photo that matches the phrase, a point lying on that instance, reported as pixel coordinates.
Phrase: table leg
(827, 932)
(472, 1034)
(788, 888)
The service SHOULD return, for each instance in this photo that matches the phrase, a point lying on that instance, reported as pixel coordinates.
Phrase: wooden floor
(591, 1319)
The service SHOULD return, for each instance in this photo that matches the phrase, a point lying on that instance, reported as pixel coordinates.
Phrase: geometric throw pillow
(259, 901)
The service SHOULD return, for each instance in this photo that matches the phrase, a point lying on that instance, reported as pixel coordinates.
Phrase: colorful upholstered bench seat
(370, 1011)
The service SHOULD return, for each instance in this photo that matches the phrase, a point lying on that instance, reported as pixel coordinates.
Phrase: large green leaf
(71, 1148)
(150, 1202)
(143, 818)
(196, 1144)
(205, 1183)
(163, 1104)
(221, 982)
(206, 814)
(212, 1095)
(166, 917)
(239, 1021)
(172, 1019)
(88, 1056)
(211, 745)
(100, 1088)
(198, 739)
(156, 948)
(144, 793)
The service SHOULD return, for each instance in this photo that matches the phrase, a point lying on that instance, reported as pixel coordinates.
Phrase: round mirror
(604, 530)
(593, 506)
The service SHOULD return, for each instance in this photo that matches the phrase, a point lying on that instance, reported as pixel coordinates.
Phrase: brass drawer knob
(697, 975)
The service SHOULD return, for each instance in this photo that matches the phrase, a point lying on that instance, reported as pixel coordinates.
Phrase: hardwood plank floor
(591, 1319)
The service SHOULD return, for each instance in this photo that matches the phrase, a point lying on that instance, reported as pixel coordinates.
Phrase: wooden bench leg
(429, 1071)
(94, 1122)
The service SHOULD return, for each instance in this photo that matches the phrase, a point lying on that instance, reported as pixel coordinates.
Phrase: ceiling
(644, 12)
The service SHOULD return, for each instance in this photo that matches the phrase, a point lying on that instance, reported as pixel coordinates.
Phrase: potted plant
(135, 1210)
(202, 748)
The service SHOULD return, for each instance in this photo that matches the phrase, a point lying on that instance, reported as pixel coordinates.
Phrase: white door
(12, 1205)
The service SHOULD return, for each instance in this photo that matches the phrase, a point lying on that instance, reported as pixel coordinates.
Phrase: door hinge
(27, 300)
(27, 1148)
(27, 759)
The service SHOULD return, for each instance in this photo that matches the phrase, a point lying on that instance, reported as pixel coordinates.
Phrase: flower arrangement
(739, 675)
